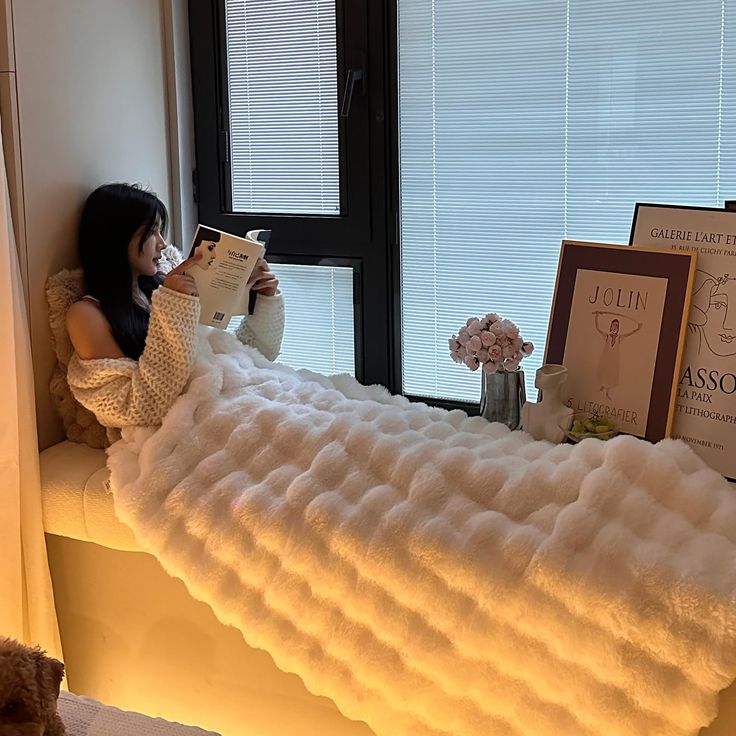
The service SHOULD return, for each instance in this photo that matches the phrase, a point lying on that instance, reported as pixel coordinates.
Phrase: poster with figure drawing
(608, 370)
(706, 387)
(618, 326)
(616, 320)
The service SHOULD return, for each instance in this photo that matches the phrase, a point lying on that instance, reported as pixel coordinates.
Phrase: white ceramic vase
(549, 418)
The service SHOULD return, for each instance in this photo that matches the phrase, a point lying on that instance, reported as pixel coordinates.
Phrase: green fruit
(602, 428)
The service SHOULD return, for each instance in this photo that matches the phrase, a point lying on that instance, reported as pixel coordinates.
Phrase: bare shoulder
(85, 315)
(90, 333)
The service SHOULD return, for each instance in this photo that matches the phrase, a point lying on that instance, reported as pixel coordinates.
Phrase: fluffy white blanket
(432, 573)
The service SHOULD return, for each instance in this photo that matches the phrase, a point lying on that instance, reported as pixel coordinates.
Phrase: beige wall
(92, 107)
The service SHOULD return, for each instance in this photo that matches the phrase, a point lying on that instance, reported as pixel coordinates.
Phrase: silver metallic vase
(502, 396)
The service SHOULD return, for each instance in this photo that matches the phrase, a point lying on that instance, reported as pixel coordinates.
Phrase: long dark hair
(112, 215)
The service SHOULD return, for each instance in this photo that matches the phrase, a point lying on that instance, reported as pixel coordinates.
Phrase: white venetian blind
(522, 123)
(319, 333)
(282, 81)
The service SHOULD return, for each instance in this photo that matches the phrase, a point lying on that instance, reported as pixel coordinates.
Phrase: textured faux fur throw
(434, 574)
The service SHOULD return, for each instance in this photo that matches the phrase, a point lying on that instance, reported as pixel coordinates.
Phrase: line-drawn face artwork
(713, 313)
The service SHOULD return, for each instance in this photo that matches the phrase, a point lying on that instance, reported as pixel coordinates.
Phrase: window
(522, 124)
(514, 125)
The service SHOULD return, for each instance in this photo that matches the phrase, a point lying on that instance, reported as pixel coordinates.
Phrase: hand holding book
(263, 280)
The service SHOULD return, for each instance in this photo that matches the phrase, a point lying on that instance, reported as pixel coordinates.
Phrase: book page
(222, 274)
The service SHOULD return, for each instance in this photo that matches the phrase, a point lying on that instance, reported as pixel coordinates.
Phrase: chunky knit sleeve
(123, 392)
(264, 329)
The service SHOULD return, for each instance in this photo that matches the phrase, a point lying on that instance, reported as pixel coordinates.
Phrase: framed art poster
(618, 325)
(706, 392)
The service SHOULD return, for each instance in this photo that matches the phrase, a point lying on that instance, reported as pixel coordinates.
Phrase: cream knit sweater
(264, 329)
(123, 392)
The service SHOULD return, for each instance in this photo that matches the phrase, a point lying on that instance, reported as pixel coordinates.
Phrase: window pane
(319, 332)
(282, 72)
(525, 123)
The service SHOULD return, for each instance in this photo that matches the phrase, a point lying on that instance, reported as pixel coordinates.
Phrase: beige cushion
(62, 290)
(77, 502)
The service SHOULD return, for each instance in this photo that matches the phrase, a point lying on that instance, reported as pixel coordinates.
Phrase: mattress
(86, 717)
(77, 502)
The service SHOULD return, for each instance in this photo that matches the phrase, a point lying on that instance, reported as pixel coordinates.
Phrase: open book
(223, 272)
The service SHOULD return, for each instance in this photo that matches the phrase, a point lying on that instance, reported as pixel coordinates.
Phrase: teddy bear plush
(29, 689)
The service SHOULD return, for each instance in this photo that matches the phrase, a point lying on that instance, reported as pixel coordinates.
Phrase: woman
(134, 332)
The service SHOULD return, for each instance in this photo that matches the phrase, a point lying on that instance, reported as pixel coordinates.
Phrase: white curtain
(27, 610)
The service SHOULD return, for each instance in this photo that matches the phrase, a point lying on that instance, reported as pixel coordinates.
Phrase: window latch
(354, 75)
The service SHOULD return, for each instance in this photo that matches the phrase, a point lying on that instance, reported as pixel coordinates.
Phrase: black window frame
(364, 233)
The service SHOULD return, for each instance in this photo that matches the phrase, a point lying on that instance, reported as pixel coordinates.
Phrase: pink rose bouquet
(490, 343)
